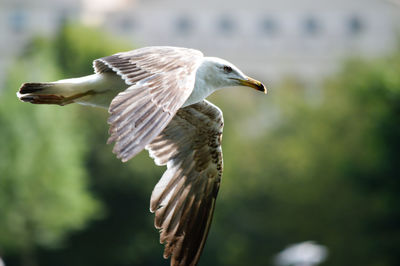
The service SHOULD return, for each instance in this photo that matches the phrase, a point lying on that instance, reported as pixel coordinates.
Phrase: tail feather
(34, 87)
(47, 93)
(44, 99)
(95, 90)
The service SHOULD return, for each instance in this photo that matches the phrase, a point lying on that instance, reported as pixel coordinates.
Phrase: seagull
(156, 100)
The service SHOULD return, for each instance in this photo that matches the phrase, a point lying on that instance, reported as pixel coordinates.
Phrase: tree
(324, 168)
(43, 184)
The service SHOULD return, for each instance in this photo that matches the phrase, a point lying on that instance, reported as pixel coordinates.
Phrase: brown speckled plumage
(184, 199)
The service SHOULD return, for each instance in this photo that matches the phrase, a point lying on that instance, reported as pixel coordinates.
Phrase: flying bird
(156, 100)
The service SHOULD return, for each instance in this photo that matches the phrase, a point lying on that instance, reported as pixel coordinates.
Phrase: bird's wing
(183, 200)
(161, 79)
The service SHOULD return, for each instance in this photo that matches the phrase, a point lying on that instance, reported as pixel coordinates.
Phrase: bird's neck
(204, 85)
(200, 91)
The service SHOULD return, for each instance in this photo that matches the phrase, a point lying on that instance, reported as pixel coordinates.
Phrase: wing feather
(161, 79)
(184, 198)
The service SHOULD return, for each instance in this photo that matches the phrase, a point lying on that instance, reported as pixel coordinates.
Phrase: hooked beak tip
(255, 84)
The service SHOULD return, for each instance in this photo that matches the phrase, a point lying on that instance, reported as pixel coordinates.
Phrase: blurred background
(312, 167)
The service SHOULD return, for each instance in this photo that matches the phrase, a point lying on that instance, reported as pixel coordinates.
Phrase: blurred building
(22, 19)
(304, 38)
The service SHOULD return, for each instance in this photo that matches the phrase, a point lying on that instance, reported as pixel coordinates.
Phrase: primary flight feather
(155, 97)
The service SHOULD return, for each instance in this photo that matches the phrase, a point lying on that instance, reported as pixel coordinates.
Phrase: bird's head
(221, 73)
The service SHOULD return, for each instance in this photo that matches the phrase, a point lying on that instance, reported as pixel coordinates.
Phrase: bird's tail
(50, 93)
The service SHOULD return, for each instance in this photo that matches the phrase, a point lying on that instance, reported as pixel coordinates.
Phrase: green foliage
(326, 169)
(77, 46)
(43, 183)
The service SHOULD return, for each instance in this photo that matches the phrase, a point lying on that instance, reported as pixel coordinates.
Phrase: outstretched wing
(183, 200)
(161, 79)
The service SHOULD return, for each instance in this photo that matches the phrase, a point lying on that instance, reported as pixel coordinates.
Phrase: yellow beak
(255, 84)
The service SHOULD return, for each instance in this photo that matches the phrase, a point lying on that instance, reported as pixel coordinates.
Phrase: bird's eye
(227, 69)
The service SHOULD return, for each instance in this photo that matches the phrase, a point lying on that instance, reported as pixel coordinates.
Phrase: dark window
(127, 24)
(269, 26)
(311, 26)
(226, 25)
(17, 21)
(184, 25)
(355, 25)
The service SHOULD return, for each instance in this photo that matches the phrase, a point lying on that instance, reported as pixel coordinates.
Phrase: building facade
(303, 38)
